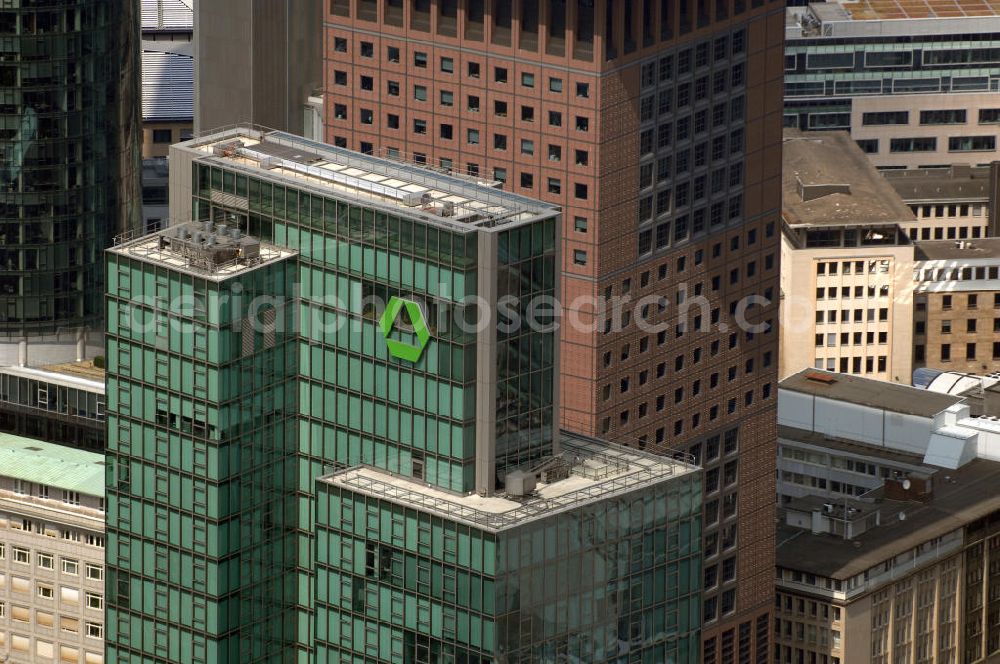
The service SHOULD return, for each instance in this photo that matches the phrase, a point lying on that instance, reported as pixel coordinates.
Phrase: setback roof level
(614, 470)
(408, 190)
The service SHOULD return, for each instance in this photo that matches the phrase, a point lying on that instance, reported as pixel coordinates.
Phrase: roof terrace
(419, 192)
(598, 470)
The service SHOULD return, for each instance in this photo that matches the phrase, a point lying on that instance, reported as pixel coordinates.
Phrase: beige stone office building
(846, 262)
(51, 553)
(915, 130)
(956, 318)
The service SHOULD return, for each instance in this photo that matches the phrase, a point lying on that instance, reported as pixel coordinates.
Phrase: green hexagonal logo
(399, 349)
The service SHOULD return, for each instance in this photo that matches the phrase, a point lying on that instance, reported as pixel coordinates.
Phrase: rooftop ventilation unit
(519, 483)
(820, 377)
(207, 249)
(227, 149)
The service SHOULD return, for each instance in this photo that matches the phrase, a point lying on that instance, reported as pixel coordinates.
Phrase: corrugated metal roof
(53, 465)
(167, 86)
(169, 15)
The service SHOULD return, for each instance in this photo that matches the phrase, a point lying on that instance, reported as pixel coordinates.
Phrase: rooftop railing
(634, 469)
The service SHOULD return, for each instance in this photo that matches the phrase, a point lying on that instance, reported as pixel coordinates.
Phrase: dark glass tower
(69, 130)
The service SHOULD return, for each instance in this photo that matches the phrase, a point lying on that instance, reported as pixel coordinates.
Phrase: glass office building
(915, 85)
(404, 574)
(201, 442)
(325, 338)
(69, 156)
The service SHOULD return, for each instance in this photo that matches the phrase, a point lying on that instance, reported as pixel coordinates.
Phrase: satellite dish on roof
(906, 485)
(902, 516)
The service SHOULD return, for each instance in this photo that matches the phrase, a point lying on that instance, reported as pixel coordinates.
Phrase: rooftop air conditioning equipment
(412, 198)
(447, 209)
(520, 483)
(250, 249)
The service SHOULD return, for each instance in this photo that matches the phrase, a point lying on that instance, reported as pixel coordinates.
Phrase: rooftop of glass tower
(420, 192)
(204, 248)
(594, 470)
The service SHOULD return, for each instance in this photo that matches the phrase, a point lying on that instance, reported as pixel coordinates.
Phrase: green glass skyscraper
(69, 156)
(331, 406)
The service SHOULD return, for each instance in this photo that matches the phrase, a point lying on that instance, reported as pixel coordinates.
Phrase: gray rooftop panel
(867, 392)
(979, 249)
(958, 183)
(967, 494)
(859, 194)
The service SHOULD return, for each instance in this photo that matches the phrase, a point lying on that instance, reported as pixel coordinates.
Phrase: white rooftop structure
(927, 423)
(890, 18)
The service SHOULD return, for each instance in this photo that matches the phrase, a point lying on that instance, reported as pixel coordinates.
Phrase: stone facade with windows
(52, 547)
(956, 299)
(847, 263)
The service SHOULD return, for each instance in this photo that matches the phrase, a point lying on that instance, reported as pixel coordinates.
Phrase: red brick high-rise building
(656, 124)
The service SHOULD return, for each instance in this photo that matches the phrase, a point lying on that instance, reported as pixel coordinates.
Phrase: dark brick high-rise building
(656, 124)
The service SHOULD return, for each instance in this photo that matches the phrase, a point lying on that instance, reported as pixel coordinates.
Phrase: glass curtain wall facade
(617, 579)
(525, 357)
(365, 406)
(68, 156)
(202, 541)
(50, 410)
(654, 125)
